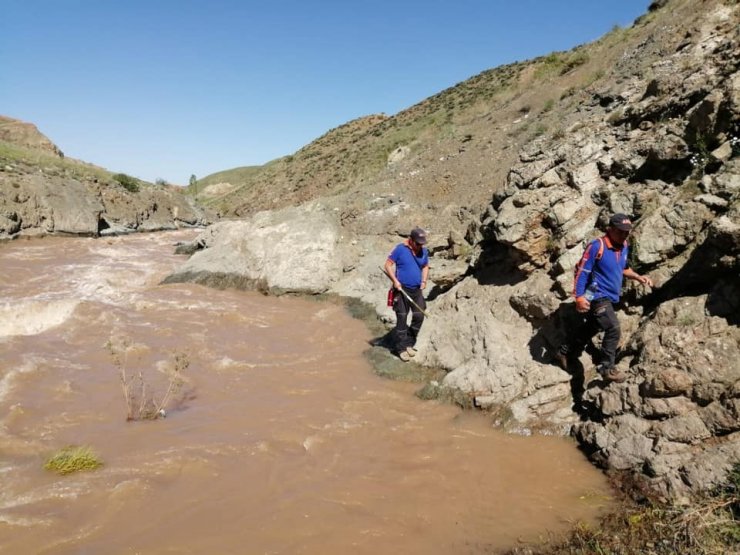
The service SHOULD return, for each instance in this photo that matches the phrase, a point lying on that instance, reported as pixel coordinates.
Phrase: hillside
(454, 148)
(26, 135)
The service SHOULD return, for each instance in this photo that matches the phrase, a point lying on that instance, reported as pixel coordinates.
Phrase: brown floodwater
(277, 439)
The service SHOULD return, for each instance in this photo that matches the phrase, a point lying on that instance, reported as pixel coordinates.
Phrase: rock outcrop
(664, 149)
(41, 192)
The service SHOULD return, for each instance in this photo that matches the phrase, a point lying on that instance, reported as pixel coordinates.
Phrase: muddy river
(277, 436)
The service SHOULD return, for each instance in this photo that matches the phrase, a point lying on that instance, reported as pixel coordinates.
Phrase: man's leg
(580, 329)
(606, 319)
(417, 317)
(401, 308)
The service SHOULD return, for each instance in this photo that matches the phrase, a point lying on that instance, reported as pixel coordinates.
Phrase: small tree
(194, 184)
(161, 182)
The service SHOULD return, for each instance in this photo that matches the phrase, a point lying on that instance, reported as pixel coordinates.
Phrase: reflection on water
(281, 439)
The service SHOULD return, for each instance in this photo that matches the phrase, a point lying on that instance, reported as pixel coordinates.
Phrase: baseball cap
(621, 221)
(419, 236)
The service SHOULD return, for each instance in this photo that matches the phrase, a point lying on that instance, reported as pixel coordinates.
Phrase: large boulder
(295, 249)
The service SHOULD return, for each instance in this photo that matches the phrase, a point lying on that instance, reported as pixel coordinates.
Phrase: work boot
(613, 374)
(404, 356)
(411, 351)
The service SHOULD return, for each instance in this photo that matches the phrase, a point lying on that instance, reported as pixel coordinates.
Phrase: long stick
(404, 293)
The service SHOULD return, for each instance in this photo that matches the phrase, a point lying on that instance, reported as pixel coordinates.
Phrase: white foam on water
(10, 375)
(32, 317)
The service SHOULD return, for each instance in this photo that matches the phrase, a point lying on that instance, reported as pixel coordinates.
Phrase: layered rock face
(664, 149)
(35, 204)
(41, 192)
(661, 145)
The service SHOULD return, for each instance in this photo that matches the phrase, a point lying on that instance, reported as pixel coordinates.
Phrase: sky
(166, 89)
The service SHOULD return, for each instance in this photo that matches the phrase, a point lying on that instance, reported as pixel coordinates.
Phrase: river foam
(34, 316)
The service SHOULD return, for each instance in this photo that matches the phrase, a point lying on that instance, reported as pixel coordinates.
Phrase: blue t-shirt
(408, 265)
(604, 276)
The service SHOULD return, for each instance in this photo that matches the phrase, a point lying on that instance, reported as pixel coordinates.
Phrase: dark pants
(406, 335)
(600, 317)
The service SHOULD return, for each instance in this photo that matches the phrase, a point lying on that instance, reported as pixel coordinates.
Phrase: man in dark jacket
(597, 288)
(408, 266)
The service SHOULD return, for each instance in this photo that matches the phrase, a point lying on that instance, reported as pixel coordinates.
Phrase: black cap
(621, 221)
(419, 236)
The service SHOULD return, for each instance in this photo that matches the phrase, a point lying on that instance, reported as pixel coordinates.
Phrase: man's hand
(582, 304)
(629, 273)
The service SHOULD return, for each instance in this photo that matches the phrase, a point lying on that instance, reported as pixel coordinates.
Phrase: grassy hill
(458, 144)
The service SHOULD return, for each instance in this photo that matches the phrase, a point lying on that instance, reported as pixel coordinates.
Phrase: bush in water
(73, 459)
(141, 403)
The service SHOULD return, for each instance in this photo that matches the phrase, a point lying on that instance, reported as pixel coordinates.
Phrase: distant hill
(26, 135)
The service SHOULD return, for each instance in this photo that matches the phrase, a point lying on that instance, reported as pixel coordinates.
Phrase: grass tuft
(73, 459)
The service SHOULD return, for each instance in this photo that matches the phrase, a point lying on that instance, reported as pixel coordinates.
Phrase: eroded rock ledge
(41, 203)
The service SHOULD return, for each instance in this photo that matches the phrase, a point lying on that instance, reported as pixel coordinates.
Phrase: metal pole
(404, 293)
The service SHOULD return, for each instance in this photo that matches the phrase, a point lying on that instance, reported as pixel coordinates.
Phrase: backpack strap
(600, 254)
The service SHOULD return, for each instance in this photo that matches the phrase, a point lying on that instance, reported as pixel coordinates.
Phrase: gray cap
(419, 236)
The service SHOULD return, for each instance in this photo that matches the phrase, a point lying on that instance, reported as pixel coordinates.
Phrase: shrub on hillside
(127, 182)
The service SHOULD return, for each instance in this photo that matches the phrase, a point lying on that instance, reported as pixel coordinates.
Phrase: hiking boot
(613, 374)
(404, 356)
(562, 360)
(411, 351)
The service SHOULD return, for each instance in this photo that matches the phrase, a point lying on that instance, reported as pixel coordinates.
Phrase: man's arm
(424, 276)
(586, 265)
(390, 269)
(629, 273)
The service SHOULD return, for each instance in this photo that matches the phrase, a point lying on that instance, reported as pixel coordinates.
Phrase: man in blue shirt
(408, 267)
(597, 287)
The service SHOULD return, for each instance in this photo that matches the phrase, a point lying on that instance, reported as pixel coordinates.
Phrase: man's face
(618, 236)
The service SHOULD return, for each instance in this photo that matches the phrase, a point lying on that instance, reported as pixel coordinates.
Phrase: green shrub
(576, 59)
(73, 459)
(129, 183)
(540, 129)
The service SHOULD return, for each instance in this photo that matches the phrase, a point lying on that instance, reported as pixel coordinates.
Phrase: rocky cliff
(652, 130)
(43, 192)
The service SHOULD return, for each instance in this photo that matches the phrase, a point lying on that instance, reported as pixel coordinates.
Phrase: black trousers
(406, 335)
(600, 317)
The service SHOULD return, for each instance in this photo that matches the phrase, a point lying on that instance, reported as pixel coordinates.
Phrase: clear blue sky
(169, 88)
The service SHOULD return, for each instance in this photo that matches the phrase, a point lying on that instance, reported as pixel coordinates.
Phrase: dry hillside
(453, 150)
